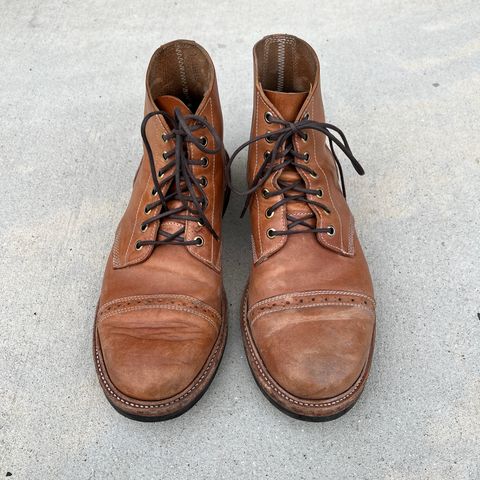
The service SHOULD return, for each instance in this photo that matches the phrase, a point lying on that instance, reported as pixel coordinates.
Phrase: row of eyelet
(269, 213)
(147, 211)
(271, 232)
(314, 174)
(200, 242)
(203, 140)
(199, 239)
(268, 139)
(144, 227)
(306, 155)
(203, 183)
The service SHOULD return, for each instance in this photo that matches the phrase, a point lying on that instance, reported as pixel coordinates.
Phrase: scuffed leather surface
(160, 309)
(311, 313)
(152, 350)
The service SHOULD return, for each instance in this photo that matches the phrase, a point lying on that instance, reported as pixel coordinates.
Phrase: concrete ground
(402, 79)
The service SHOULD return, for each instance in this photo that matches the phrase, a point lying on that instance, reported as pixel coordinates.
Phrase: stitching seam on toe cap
(310, 305)
(166, 301)
(164, 307)
(311, 293)
(318, 298)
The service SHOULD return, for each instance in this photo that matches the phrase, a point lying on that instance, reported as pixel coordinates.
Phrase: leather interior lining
(288, 64)
(182, 70)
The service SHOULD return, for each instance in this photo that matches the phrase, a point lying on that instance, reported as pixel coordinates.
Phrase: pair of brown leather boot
(308, 317)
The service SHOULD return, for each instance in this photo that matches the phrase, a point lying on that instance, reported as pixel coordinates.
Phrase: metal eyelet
(319, 193)
(266, 154)
(203, 181)
(201, 222)
(154, 192)
(306, 116)
(204, 162)
(268, 117)
(164, 155)
(138, 245)
(161, 174)
(203, 141)
(269, 213)
(271, 233)
(265, 192)
(164, 137)
(200, 241)
(147, 210)
(331, 230)
(268, 139)
(306, 157)
(314, 174)
(305, 139)
(144, 227)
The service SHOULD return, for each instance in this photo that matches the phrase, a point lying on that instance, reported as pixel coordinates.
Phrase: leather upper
(160, 308)
(310, 296)
(129, 231)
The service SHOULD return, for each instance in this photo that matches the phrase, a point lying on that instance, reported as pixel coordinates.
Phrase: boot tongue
(168, 103)
(288, 105)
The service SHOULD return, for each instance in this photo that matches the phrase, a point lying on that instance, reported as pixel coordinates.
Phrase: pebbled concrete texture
(402, 79)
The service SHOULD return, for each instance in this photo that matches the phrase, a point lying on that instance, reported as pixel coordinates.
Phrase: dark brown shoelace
(283, 155)
(185, 187)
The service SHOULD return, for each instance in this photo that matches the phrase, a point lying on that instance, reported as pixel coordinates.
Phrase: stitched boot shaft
(309, 315)
(160, 327)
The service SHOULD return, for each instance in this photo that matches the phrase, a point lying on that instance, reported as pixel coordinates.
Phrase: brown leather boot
(309, 314)
(160, 327)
